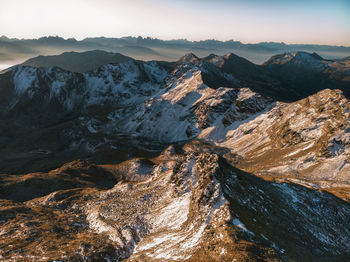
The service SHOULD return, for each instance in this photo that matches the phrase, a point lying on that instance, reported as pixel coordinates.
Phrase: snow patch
(24, 79)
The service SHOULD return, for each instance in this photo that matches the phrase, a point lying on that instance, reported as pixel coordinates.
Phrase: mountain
(304, 73)
(165, 102)
(202, 159)
(78, 62)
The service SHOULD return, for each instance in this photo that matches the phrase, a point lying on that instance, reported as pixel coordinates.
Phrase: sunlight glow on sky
(249, 21)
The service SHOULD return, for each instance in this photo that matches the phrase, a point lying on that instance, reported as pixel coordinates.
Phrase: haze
(297, 21)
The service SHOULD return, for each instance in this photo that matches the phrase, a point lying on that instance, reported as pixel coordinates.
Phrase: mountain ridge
(78, 62)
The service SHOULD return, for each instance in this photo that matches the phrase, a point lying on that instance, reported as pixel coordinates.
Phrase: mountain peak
(229, 55)
(300, 59)
(4, 38)
(304, 55)
(235, 58)
(188, 58)
(211, 56)
(317, 56)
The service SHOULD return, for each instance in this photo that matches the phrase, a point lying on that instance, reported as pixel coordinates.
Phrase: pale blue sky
(297, 21)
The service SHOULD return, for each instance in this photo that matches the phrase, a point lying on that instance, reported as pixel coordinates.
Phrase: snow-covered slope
(119, 84)
(188, 105)
(139, 97)
(306, 140)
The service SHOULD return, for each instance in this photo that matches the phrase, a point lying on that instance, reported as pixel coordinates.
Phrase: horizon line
(165, 40)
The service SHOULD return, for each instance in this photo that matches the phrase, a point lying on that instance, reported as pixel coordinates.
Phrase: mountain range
(200, 159)
(14, 51)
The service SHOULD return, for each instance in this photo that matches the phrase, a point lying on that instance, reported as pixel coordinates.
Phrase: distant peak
(302, 55)
(211, 56)
(299, 59)
(190, 57)
(298, 55)
(317, 56)
(4, 37)
(230, 56)
(51, 37)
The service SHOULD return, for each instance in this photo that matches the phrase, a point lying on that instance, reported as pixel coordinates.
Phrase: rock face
(198, 160)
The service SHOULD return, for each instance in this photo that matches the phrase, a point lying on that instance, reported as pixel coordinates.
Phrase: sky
(248, 21)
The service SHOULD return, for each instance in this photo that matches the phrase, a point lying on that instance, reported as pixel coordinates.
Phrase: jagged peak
(211, 56)
(214, 59)
(189, 57)
(229, 55)
(303, 55)
(317, 56)
(235, 58)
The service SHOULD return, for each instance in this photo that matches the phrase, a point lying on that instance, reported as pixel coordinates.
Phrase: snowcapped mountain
(299, 59)
(204, 159)
(301, 74)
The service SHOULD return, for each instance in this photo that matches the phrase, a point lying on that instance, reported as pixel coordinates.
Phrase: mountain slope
(305, 142)
(180, 206)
